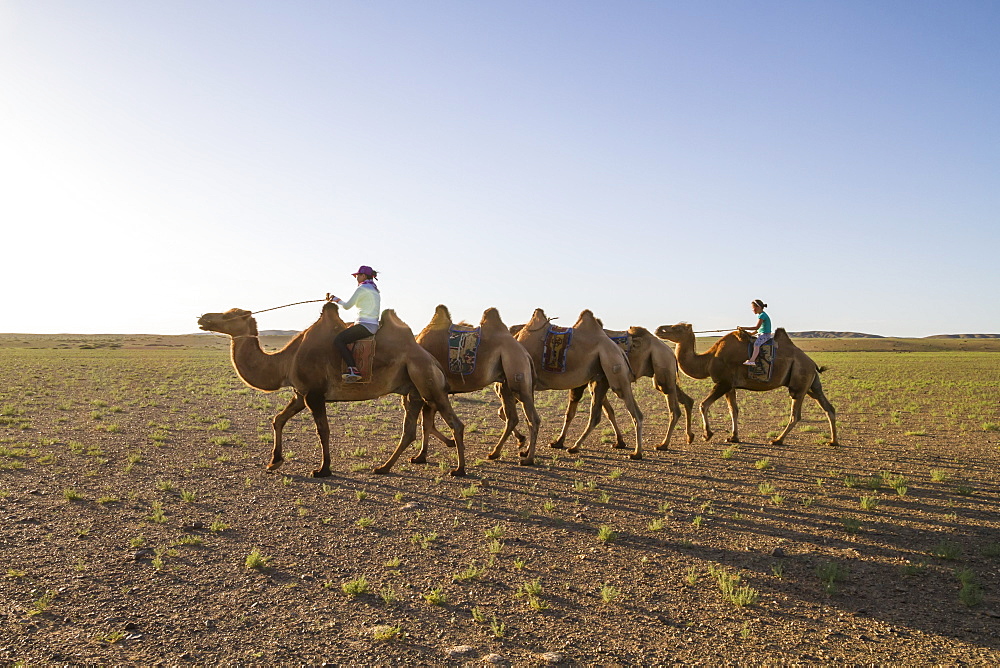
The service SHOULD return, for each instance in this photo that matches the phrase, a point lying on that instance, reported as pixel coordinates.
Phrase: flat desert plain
(140, 526)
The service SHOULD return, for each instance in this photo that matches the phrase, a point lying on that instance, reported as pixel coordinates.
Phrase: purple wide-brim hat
(364, 269)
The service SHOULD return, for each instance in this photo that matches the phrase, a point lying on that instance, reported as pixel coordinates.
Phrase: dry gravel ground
(134, 501)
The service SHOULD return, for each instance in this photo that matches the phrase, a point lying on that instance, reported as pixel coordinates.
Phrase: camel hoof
(620, 445)
(709, 435)
(527, 461)
(663, 446)
(635, 455)
(449, 442)
(573, 451)
(493, 456)
(419, 459)
(733, 439)
(834, 443)
(690, 438)
(274, 466)
(321, 473)
(558, 445)
(458, 471)
(520, 439)
(776, 441)
(381, 470)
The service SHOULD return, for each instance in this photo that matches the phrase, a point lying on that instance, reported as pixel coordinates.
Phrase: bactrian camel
(723, 363)
(500, 359)
(591, 359)
(310, 365)
(649, 357)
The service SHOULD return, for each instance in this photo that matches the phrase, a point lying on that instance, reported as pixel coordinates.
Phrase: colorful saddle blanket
(765, 361)
(554, 348)
(364, 356)
(463, 345)
(622, 339)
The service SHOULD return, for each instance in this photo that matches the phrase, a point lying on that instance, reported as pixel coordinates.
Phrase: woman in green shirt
(763, 324)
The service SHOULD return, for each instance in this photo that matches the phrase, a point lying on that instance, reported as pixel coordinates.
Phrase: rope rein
(275, 308)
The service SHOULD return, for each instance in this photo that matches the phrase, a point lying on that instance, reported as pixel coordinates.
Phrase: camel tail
(821, 369)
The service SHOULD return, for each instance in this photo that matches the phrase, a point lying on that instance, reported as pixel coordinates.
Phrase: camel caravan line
(448, 358)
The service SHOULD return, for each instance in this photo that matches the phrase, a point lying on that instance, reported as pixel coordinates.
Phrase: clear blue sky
(652, 161)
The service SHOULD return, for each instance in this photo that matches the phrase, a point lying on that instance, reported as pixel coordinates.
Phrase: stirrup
(352, 375)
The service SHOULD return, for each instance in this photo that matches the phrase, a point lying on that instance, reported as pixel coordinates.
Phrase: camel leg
(598, 391)
(443, 407)
(429, 429)
(669, 391)
(688, 404)
(797, 398)
(706, 404)
(502, 414)
(816, 392)
(527, 399)
(316, 402)
(427, 423)
(508, 411)
(278, 425)
(734, 416)
(623, 389)
(412, 405)
(571, 405)
(610, 412)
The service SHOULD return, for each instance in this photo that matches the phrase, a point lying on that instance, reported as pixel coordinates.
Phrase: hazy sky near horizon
(651, 161)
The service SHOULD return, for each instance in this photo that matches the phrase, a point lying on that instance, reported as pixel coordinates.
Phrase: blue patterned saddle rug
(622, 340)
(765, 361)
(554, 348)
(463, 347)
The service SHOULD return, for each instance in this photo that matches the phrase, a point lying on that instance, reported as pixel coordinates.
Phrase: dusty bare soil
(134, 505)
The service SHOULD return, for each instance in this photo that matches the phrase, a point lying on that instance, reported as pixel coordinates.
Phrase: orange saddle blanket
(364, 357)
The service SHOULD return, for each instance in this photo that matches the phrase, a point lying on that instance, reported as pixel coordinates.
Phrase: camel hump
(587, 319)
(781, 335)
(491, 317)
(331, 312)
(440, 320)
(390, 319)
(638, 331)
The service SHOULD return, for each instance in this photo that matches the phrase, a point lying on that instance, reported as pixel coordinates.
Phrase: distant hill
(278, 332)
(964, 336)
(833, 335)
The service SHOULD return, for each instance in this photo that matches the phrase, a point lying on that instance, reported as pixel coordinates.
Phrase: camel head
(234, 322)
(680, 332)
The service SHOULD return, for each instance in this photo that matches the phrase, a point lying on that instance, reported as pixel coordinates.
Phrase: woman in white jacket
(368, 300)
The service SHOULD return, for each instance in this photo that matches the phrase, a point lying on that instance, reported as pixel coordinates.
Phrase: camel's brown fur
(592, 359)
(310, 364)
(501, 360)
(723, 363)
(650, 357)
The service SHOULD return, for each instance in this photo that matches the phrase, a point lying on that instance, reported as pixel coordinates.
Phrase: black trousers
(350, 335)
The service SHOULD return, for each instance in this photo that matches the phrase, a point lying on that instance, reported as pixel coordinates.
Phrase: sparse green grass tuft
(256, 561)
(355, 587)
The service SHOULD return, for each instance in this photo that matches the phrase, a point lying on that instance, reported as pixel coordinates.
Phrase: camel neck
(258, 369)
(691, 363)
